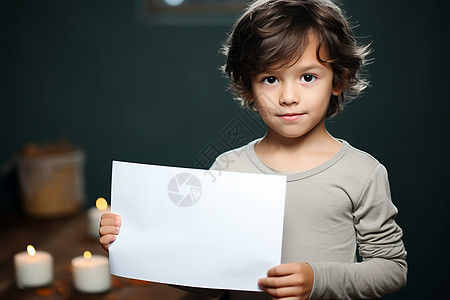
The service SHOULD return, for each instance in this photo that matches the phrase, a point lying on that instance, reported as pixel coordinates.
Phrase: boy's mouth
(290, 117)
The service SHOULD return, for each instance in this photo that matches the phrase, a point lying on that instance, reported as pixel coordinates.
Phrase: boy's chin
(287, 135)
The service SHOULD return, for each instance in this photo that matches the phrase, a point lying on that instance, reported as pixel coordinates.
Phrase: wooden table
(65, 238)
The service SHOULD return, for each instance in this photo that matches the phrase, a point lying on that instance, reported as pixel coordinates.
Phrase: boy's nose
(289, 96)
(288, 101)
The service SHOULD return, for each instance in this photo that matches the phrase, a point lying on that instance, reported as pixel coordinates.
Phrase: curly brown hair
(274, 32)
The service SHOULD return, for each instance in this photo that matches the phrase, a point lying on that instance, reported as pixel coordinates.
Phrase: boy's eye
(270, 80)
(308, 78)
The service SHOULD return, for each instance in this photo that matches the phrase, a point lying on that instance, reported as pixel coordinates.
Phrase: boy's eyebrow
(306, 68)
(311, 67)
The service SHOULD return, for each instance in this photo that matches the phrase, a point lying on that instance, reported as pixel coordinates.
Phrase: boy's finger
(281, 292)
(282, 270)
(108, 220)
(105, 230)
(274, 282)
(110, 215)
(106, 240)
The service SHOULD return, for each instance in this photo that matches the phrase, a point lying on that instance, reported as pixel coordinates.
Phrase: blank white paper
(199, 228)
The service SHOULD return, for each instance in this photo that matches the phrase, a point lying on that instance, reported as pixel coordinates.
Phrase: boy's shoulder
(359, 162)
(359, 155)
(235, 159)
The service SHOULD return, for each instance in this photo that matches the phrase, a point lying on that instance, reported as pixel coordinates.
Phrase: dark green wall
(122, 87)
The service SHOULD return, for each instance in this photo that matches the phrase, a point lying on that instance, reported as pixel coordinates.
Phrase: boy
(295, 62)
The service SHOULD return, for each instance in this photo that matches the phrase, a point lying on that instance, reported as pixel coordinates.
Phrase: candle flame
(101, 204)
(87, 255)
(31, 251)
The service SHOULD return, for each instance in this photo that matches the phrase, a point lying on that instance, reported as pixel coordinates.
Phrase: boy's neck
(299, 153)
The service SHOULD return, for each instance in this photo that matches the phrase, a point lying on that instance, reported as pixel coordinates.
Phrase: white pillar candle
(94, 217)
(90, 273)
(33, 268)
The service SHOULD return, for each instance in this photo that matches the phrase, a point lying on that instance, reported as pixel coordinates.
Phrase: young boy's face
(293, 100)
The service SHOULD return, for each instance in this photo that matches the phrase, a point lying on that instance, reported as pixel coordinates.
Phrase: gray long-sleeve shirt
(331, 211)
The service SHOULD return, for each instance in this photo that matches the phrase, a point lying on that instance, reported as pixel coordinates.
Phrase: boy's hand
(288, 281)
(109, 229)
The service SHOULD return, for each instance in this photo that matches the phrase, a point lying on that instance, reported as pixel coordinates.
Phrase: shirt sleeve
(383, 268)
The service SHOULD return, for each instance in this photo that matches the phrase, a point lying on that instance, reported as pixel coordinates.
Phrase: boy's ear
(339, 83)
(250, 97)
(337, 90)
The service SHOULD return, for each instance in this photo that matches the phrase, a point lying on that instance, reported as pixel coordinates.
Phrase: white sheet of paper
(200, 228)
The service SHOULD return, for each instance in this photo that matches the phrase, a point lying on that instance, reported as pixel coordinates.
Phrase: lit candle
(33, 268)
(94, 216)
(90, 273)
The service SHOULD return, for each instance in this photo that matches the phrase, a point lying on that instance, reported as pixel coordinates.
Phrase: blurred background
(121, 80)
